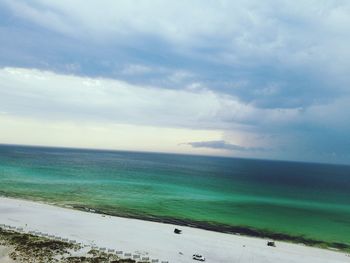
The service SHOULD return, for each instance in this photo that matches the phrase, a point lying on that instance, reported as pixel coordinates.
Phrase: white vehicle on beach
(198, 257)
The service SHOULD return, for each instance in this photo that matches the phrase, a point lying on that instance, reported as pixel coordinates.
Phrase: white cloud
(48, 95)
(68, 104)
(43, 94)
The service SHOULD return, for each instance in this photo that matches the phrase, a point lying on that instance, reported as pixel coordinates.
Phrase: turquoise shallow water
(298, 199)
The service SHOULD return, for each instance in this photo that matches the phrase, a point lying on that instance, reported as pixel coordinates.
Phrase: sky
(253, 79)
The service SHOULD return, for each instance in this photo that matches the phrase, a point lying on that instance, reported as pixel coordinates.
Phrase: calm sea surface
(299, 199)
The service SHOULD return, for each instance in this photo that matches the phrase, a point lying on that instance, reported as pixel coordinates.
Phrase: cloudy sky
(261, 79)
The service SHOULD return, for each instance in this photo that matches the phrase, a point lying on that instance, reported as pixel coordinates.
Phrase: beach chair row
(128, 255)
(101, 249)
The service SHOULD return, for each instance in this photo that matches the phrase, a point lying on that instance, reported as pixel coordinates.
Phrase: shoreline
(220, 228)
(156, 240)
(227, 229)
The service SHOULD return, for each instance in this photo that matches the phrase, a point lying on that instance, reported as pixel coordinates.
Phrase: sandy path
(4, 255)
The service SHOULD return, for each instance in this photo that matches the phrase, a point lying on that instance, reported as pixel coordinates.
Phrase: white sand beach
(155, 240)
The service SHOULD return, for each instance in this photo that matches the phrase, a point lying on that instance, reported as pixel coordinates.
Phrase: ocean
(304, 202)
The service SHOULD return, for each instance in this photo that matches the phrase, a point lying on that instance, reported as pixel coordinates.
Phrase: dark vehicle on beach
(177, 231)
(198, 257)
(271, 244)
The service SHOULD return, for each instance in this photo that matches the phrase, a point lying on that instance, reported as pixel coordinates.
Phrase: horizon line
(170, 153)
